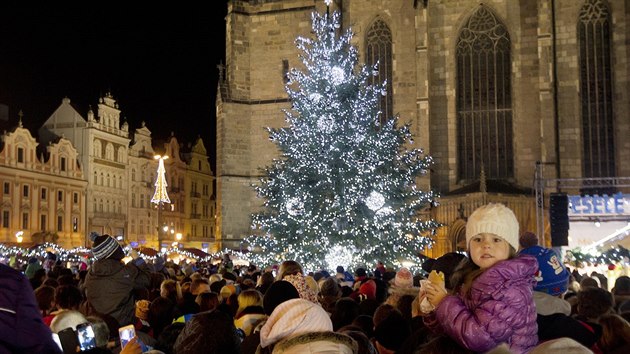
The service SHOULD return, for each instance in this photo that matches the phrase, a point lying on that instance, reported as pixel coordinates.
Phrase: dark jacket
(110, 284)
(21, 327)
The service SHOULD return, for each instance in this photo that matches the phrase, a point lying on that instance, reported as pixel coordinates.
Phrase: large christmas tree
(344, 190)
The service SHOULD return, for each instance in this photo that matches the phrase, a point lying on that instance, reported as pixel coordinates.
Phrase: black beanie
(279, 292)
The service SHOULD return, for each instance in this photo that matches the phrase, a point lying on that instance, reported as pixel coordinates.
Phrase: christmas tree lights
(344, 188)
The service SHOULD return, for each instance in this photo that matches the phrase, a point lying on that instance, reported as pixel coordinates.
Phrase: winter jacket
(110, 284)
(498, 308)
(21, 327)
(554, 321)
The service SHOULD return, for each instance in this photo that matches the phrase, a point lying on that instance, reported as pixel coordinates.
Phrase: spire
(20, 114)
(482, 180)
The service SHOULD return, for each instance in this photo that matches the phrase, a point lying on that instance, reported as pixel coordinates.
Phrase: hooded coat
(499, 308)
(21, 327)
(110, 284)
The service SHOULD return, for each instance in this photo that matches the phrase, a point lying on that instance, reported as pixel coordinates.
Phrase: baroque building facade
(501, 93)
(43, 192)
(103, 145)
(96, 176)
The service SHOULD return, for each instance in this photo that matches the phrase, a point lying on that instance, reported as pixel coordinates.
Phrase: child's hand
(132, 347)
(435, 294)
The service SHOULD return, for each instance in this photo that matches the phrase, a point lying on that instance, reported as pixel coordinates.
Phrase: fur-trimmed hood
(403, 291)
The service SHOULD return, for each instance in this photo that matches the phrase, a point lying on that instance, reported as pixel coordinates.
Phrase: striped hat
(104, 246)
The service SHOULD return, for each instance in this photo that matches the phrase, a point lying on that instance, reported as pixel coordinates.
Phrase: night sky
(159, 63)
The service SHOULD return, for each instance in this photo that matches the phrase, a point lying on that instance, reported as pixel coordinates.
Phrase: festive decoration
(160, 196)
(611, 256)
(344, 181)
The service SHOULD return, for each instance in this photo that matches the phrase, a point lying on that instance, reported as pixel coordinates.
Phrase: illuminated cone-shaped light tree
(344, 190)
(160, 196)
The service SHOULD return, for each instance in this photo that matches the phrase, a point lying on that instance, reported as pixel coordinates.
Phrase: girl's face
(487, 249)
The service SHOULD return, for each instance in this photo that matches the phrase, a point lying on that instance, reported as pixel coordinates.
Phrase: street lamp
(160, 196)
(19, 236)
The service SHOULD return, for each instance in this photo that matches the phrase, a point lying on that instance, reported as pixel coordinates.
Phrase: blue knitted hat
(552, 277)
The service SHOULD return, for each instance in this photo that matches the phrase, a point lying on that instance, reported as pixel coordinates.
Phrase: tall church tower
(259, 50)
(494, 88)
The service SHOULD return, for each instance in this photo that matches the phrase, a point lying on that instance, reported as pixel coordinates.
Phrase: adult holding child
(110, 284)
(492, 301)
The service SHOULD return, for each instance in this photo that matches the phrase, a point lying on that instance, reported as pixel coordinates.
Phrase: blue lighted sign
(617, 204)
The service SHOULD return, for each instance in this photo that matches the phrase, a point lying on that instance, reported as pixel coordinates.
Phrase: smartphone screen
(126, 333)
(85, 336)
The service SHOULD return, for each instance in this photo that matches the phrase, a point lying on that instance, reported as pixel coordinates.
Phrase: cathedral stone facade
(492, 89)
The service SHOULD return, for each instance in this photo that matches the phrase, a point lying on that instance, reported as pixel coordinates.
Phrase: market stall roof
(148, 251)
(196, 252)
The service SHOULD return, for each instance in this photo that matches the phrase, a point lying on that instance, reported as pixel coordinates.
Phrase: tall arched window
(378, 49)
(97, 148)
(596, 90)
(484, 99)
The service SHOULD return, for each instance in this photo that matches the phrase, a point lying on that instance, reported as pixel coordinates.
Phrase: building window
(75, 198)
(59, 223)
(133, 200)
(7, 188)
(596, 89)
(75, 224)
(25, 225)
(285, 70)
(484, 98)
(142, 201)
(133, 174)
(193, 230)
(42, 222)
(60, 196)
(379, 52)
(25, 191)
(44, 192)
(6, 216)
(20, 153)
(63, 164)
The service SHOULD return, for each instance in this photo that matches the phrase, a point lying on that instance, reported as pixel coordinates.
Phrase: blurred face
(488, 249)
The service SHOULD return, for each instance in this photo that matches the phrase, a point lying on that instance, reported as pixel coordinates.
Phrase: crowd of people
(507, 295)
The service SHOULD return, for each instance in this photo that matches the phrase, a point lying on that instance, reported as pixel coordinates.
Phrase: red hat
(368, 289)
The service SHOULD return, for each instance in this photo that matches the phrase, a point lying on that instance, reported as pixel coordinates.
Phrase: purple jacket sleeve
(499, 309)
(21, 326)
